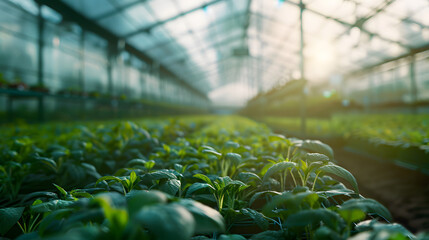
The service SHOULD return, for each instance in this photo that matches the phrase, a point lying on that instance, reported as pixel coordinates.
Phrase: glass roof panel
(197, 20)
(156, 53)
(142, 41)
(118, 24)
(92, 8)
(164, 9)
(140, 15)
(122, 3)
(160, 34)
(220, 10)
(387, 27)
(188, 5)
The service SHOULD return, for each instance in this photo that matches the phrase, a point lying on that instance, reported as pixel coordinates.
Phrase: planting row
(199, 177)
(399, 138)
(407, 129)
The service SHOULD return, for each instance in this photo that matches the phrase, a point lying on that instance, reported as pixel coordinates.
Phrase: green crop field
(391, 128)
(188, 178)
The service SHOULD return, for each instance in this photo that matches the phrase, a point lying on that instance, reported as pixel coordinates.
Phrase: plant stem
(293, 177)
(302, 178)
(315, 179)
(284, 181)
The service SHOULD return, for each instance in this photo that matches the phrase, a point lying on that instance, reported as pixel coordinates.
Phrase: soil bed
(404, 192)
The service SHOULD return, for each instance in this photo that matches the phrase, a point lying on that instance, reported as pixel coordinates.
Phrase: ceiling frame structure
(245, 25)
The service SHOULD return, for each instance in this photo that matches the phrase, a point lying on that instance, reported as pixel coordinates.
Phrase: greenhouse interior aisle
(158, 119)
(403, 191)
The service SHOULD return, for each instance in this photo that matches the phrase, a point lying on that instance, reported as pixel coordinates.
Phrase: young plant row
(394, 129)
(199, 178)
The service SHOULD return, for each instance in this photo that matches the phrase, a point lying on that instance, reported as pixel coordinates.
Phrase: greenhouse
(214, 119)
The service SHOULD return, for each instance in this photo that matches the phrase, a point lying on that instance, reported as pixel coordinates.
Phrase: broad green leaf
(53, 222)
(165, 222)
(378, 229)
(133, 177)
(316, 157)
(317, 146)
(116, 179)
(341, 172)
(160, 175)
(29, 236)
(8, 218)
(80, 194)
(231, 237)
(233, 157)
(262, 194)
(51, 206)
(292, 201)
(336, 192)
(204, 178)
(231, 144)
(352, 215)
(266, 167)
(207, 219)
(236, 182)
(62, 191)
(114, 199)
(277, 168)
(91, 170)
(369, 206)
(137, 199)
(276, 137)
(136, 162)
(2, 169)
(269, 235)
(258, 217)
(47, 162)
(178, 167)
(171, 186)
(36, 195)
(213, 152)
(166, 148)
(247, 177)
(312, 217)
(196, 187)
(324, 232)
(149, 164)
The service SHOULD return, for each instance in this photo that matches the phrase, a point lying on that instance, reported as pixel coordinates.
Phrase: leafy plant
(198, 178)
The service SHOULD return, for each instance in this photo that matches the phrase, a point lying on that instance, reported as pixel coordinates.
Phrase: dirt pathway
(404, 192)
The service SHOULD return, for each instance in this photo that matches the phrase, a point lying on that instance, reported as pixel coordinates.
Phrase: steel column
(302, 70)
(40, 67)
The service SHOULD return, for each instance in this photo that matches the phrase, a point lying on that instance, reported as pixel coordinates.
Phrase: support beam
(111, 56)
(118, 10)
(40, 62)
(82, 61)
(413, 82)
(302, 70)
(207, 28)
(349, 25)
(159, 23)
(412, 51)
(89, 25)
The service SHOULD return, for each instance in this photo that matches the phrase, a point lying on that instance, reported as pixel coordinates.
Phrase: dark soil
(404, 192)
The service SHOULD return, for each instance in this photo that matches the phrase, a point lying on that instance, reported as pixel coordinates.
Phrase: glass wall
(402, 81)
(76, 60)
